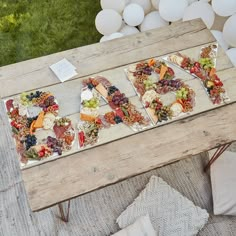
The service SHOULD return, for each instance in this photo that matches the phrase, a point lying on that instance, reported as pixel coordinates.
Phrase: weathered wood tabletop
(121, 153)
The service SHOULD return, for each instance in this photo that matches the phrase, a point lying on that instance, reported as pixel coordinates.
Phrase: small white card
(64, 70)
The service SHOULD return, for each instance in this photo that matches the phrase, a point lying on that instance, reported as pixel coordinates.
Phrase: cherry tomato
(98, 121)
(217, 82)
(192, 70)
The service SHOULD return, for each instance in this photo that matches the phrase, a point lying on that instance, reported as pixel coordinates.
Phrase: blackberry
(118, 119)
(30, 141)
(90, 86)
(112, 89)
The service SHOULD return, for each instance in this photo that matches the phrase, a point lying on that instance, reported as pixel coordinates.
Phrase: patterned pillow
(223, 181)
(141, 227)
(171, 214)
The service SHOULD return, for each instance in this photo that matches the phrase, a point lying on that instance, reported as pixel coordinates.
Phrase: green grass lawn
(33, 28)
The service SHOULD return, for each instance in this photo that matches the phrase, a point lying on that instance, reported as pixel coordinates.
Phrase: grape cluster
(148, 84)
(206, 63)
(147, 70)
(119, 99)
(176, 84)
(54, 144)
(31, 96)
(30, 120)
(182, 93)
(112, 89)
(30, 140)
(50, 101)
(92, 103)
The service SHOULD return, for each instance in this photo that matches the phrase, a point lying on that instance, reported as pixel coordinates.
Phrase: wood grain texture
(103, 56)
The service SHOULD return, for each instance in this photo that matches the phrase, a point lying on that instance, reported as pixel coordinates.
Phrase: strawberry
(41, 154)
(197, 64)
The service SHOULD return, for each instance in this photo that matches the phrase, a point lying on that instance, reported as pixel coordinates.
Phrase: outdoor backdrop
(33, 28)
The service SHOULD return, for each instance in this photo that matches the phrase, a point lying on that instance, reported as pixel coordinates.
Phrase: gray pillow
(171, 214)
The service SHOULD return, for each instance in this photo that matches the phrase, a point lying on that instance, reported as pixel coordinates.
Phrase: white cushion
(141, 227)
(171, 214)
(223, 181)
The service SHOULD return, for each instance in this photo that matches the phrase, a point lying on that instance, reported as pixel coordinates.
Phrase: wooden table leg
(64, 217)
(216, 155)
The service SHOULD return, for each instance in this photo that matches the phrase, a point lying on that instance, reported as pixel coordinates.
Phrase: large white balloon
(172, 10)
(155, 4)
(153, 20)
(133, 14)
(145, 4)
(224, 8)
(129, 30)
(229, 31)
(200, 10)
(108, 21)
(232, 55)
(113, 4)
(219, 37)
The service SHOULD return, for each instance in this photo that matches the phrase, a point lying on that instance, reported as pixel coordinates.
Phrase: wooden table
(59, 179)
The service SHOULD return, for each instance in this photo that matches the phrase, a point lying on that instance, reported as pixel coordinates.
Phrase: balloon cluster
(125, 17)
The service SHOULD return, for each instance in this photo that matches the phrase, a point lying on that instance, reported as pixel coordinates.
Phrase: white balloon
(229, 31)
(232, 55)
(200, 10)
(152, 20)
(155, 4)
(129, 30)
(145, 4)
(224, 8)
(113, 4)
(133, 14)
(104, 38)
(108, 21)
(219, 37)
(115, 36)
(172, 10)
